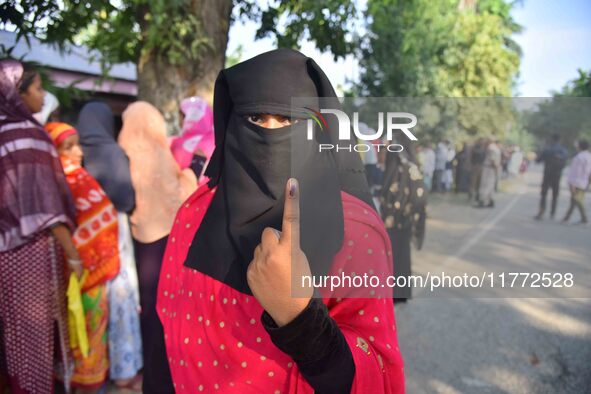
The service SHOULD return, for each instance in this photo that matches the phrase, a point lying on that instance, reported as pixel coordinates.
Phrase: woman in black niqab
(204, 295)
(251, 165)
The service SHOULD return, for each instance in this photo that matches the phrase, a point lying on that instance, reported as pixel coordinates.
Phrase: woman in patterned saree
(96, 239)
(36, 220)
(107, 163)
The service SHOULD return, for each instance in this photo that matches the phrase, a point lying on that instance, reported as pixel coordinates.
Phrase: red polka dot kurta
(213, 334)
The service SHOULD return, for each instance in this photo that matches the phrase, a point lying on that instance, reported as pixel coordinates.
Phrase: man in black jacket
(554, 159)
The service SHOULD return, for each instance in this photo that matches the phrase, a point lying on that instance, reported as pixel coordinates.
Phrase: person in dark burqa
(103, 158)
(554, 157)
(463, 169)
(276, 207)
(403, 208)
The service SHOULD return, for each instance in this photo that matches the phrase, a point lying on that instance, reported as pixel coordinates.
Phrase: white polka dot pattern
(224, 346)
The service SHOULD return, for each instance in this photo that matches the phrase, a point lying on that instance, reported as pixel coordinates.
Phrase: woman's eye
(270, 121)
(255, 119)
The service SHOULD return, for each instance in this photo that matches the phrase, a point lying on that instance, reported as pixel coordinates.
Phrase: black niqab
(251, 165)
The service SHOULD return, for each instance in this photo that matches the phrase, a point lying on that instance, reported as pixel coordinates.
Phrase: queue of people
(475, 169)
(179, 244)
(478, 167)
(76, 200)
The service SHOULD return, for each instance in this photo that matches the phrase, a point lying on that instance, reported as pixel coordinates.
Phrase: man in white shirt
(491, 170)
(578, 180)
(427, 162)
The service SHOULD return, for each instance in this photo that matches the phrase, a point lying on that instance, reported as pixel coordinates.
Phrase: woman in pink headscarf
(195, 146)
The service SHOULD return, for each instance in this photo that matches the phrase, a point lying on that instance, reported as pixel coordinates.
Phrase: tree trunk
(164, 85)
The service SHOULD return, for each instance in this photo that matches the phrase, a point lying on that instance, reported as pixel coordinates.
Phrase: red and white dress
(214, 337)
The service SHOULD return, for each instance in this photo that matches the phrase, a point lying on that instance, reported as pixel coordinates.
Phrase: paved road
(498, 345)
(453, 342)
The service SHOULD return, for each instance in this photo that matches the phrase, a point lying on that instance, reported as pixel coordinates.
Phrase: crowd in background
(108, 197)
(474, 169)
(478, 166)
(400, 183)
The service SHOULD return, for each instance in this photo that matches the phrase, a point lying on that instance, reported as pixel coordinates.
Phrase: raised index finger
(291, 213)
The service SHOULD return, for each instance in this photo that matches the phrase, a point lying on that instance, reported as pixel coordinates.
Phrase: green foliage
(475, 62)
(567, 113)
(235, 57)
(172, 29)
(444, 48)
(579, 87)
(327, 22)
(404, 41)
(120, 31)
(431, 48)
(179, 36)
(130, 30)
(28, 16)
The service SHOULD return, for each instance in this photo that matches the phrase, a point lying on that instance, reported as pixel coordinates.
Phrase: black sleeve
(317, 345)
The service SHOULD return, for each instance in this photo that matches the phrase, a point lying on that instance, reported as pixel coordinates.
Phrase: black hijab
(251, 165)
(103, 157)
